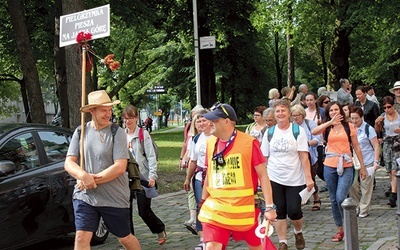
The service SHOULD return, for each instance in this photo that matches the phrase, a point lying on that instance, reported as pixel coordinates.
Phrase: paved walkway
(376, 232)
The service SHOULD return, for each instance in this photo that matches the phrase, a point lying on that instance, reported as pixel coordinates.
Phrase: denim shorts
(87, 218)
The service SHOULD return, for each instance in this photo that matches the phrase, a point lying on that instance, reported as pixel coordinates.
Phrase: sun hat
(396, 85)
(221, 110)
(98, 98)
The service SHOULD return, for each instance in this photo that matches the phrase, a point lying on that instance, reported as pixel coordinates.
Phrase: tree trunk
(60, 69)
(74, 70)
(340, 56)
(323, 59)
(290, 48)
(36, 112)
(278, 69)
(290, 63)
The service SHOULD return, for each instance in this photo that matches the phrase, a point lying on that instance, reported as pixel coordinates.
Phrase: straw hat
(396, 85)
(98, 98)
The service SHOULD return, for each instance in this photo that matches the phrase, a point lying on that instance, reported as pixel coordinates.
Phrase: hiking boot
(392, 199)
(300, 243)
(282, 246)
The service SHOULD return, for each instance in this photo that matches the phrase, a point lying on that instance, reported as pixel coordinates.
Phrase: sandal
(338, 237)
(162, 238)
(316, 207)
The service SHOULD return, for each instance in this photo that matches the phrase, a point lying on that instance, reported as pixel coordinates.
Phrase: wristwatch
(270, 207)
(377, 162)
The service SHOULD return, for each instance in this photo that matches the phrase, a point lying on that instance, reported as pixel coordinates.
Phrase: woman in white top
(389, 122)
(197, 167)
(289, 171)
(313, 112)
(146, 158)
(370, 150)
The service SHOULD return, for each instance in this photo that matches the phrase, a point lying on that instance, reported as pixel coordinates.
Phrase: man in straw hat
(396, 91)
(102, 188)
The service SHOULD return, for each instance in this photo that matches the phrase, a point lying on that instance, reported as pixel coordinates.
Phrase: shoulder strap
(271, 132)
(295, 130)
(250, 127)
(326, 134)
(141, 139)
(114, 129)
(308, 124)
(367, 130)
(196, 138)
(263, 130)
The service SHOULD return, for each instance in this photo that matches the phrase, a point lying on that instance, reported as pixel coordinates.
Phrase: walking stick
(83, 100)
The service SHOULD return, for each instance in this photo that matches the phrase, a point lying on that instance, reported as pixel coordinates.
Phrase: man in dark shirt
(370, 109)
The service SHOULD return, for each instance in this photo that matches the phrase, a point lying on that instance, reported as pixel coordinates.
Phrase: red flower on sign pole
(82, 39)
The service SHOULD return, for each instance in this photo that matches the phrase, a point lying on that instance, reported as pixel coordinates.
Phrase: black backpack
(132, 167)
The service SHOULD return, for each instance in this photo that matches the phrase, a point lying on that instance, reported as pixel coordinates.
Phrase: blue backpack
(295, 131)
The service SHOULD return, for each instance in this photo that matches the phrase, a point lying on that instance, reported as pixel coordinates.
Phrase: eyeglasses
(219, 105)
(129, 118)
(387, 107)
(326, 102)
(295, 116)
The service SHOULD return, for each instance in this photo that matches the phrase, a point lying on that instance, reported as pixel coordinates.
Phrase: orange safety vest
(231, 201)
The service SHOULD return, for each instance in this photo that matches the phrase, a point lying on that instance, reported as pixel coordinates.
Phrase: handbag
(321, 158)
(150, 192)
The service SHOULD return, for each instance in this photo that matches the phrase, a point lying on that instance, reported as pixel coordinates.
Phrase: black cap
(221, 110)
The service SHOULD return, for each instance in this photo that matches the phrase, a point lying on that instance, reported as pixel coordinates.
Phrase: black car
(35, 190)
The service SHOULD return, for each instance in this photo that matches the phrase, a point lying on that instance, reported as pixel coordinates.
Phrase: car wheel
(101, 234)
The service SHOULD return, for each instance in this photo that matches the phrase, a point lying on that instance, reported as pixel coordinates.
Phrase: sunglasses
(219, 105)
(387, 107)
(326, 102)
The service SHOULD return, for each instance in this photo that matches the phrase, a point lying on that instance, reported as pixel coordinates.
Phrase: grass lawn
(169, 142)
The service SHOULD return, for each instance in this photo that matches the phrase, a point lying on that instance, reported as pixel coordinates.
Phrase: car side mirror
(6, 168)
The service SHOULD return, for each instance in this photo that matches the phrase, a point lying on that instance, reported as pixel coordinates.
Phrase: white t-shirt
(198, 153)
(284, 165)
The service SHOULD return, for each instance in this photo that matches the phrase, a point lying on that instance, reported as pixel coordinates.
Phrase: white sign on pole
(95, 21)
(207, 42)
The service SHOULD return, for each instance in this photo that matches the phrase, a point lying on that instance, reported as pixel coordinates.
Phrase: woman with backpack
(370, 149)
(389, 123)
(284, 145)
(145, 156)
(340, 137)
(255, 129)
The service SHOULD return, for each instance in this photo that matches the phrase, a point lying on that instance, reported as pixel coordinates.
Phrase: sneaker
(191, 226)
(300, 243)
(363, 215)
(200, 246)
(162, 238)
(282, 246)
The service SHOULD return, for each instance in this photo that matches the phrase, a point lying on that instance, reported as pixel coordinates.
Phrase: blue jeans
(198, 190)
(338, 187)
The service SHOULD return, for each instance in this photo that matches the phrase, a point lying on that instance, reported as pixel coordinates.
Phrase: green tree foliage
(153, 41)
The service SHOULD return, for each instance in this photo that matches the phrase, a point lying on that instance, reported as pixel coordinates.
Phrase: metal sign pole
(196, 53)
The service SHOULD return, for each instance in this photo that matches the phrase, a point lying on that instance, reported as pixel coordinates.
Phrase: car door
(24, 192)
(61, 216)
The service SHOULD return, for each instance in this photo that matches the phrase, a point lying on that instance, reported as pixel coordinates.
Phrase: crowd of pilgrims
(348, 139)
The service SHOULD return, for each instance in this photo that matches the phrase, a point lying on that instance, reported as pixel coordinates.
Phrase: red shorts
(222, 235)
